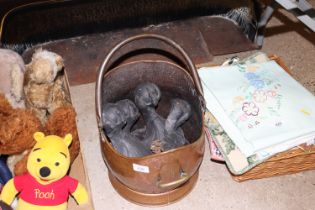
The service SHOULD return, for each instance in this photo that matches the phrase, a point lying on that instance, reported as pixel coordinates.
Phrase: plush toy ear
(68, 139)
(38, 136)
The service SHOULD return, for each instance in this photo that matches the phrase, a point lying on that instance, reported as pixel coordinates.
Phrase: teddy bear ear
(38, 136)
(68, 139)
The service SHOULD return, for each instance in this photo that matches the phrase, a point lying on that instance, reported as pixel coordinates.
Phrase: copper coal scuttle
(166, 176)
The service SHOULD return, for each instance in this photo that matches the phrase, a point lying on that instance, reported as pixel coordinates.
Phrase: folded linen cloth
(235, 160)
(261, 108)
(221, 145)
(215, 153)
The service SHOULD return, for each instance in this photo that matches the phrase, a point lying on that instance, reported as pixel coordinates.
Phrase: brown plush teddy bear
(16, 128)
(12, 70)
(44, 84)
(15, 123)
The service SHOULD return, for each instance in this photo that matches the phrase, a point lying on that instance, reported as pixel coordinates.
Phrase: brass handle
(183, 178)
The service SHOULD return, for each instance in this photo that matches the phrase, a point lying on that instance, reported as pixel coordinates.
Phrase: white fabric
(262, 108)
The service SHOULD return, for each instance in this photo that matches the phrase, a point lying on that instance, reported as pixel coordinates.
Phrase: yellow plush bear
(46, 185)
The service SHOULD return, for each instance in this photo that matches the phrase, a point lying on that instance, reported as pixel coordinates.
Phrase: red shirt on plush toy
(52, 194)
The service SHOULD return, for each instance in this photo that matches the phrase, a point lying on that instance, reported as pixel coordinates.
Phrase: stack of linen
(256, 110)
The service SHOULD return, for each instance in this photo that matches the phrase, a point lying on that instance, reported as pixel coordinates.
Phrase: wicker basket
(295, 160)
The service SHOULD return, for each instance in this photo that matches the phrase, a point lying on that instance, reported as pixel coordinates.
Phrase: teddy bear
(17, 124)
(12, 70)
(16, 128)
(44, 84)
(46, 185)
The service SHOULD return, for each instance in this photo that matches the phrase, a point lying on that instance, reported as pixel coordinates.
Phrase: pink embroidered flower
(272, 93)
(243, 117)
(260, 96)
(250, 108)
(250, 126)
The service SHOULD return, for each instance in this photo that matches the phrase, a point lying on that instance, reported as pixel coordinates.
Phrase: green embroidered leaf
(268, 82)
(228, 143)
(251, 159)
(241, 68)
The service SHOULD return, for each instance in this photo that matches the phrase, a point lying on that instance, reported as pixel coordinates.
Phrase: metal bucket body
(168, 166)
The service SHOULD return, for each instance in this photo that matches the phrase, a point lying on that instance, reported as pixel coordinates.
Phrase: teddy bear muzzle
(44, 171)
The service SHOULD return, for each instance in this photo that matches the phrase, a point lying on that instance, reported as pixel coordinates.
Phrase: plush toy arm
(8, 192)
(80, 194)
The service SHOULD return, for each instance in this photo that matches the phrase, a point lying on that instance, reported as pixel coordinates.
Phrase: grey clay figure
(179, 114)
(166, 133)
(131, 112)
(147, 96)
(117, 119)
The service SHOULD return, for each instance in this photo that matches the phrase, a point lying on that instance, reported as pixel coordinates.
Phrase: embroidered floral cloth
(260, 107)
(221, 145)
(215, 153)
(225, 148)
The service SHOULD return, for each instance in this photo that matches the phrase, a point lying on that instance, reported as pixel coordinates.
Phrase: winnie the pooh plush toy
(46, 185)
